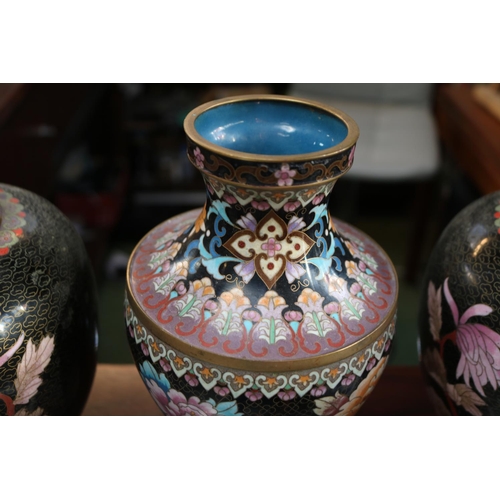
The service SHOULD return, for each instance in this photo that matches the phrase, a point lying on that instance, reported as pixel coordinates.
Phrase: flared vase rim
(348, 142)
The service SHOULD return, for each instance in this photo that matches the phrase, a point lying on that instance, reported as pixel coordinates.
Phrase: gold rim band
(270, 187)
(348, 142)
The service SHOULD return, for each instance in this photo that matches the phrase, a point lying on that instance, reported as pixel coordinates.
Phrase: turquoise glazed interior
(268, 127)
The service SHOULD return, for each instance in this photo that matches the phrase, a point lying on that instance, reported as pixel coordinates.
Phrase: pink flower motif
(178, 405)
(291, 206)
(165, 365)
(211, 305)
(181, 288)
(332, 308)
(318, 199)
(131, 331)
(230, 199)
(479, 345)
(191, 379)
(145, 348)
(349, 379)
(251, 315)
(355, 288)
(387, 345)
(253, 395)
(285, 175)
(260, 205)
(5, 238)
(198, 158)
(293, 315)
(271, 247)
(287, 395)
(318, 391)
(362, 266)
(221, 391)
(371, 364)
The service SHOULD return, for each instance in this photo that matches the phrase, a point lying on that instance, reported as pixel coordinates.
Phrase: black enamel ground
(468, 253)
(49, 268)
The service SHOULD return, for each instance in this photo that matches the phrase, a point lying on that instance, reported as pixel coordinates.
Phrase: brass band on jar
(256, 365)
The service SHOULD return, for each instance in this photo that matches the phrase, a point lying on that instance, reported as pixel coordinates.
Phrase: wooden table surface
(118, 390)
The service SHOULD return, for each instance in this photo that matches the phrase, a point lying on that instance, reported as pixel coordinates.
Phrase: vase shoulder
(210, 290)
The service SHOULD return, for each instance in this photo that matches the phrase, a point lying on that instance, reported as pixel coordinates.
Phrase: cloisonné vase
(261, 303)
(48, 309)
(459, 317)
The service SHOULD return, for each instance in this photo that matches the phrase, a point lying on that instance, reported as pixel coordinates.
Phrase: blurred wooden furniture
(119, 391)
(488, 95)
(470, 134)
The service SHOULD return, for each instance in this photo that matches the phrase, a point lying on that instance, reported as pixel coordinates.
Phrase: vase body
(459, 317)
(261, 303)
(48, 309)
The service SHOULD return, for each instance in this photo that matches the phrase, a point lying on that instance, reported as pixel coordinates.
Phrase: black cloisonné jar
(48, 309)
(459, 319)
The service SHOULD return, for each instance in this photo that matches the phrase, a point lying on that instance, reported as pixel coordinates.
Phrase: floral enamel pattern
(12, 220)
(184, 386)
(284, 174)
(342, 404)
(478, 347)
(263, 272)
(28, 376)
(236, 302)
(270, 247)
(174, 403)
(262, 285)
(195, 283)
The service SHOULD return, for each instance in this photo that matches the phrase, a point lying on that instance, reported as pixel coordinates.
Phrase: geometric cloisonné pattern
(339, 388)
(48, 309)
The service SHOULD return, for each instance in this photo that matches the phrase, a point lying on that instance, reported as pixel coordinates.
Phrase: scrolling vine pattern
(261, 175)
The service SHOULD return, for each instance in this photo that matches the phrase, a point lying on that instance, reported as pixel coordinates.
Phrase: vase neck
(271, 232)
(286, 201)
